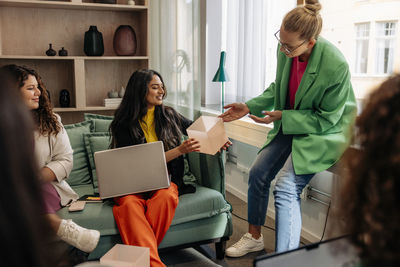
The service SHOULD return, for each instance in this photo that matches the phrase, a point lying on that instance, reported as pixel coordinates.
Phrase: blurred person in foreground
(24, 231)
(370, 193)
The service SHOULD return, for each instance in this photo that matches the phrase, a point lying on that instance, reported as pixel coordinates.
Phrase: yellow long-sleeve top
(148, 126)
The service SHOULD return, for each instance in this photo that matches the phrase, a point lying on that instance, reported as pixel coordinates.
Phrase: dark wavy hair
(134, 106)
(24, 230)
(46, 120)
(370, 196)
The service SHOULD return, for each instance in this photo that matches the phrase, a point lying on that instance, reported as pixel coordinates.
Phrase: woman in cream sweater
(54, 156)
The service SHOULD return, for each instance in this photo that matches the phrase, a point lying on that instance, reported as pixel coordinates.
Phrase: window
(385, 46)
(245, 31)
(367, 34)
(362, 41)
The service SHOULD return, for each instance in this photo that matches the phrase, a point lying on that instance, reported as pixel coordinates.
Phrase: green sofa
(200, 218)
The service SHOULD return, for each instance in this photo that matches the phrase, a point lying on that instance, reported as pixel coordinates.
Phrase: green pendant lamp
(222, 77)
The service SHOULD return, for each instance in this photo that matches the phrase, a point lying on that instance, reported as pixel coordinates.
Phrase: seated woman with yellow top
(143, 219)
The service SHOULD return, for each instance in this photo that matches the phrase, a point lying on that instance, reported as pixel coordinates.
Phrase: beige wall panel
(104, 76)
(56, 75)
(74, 117)
(79, 82)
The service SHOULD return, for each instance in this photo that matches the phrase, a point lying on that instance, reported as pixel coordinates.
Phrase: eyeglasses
(285, 47)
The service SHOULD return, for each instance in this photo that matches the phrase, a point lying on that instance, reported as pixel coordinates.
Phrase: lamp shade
(221, 75)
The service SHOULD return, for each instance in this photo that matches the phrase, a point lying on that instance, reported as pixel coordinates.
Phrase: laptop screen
(131, 169)
(334, 252)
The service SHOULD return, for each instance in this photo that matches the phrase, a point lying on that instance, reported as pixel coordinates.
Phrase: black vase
(63, 52)
(64, 98)
(51, 52)
(93, 43)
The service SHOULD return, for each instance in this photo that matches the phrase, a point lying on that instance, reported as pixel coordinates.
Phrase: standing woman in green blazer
(312, 106)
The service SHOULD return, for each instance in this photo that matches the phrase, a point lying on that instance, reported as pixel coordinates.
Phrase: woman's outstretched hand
(270, 116)
(226, 145)
(235, 111)
(189, 145)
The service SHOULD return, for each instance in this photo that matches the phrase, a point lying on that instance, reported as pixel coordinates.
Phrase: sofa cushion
(188, 177)
(80, 173)
(205, 203)
(101, 123)
(95, 142)
(97, 216)
(199, 230)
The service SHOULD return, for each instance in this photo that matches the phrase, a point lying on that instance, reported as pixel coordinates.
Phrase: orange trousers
(143, 219)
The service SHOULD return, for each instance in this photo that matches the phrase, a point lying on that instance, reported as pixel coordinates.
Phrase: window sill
(365, 75)
(244, 130)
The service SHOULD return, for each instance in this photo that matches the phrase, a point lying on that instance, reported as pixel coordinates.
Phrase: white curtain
(175, 51)
(251, 45)
(384, 56)
(385, 46)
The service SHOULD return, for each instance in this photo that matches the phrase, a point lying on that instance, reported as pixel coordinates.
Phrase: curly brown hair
(371, 192)
(44, 116)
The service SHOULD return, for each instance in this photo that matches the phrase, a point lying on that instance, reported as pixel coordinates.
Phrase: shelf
(70, 5)
(75, 57)
(94, 108)
(35, 57)
(64, 24)
(115, 58)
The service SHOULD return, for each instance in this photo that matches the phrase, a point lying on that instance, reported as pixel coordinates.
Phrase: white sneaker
(77, 236)
(245, 245)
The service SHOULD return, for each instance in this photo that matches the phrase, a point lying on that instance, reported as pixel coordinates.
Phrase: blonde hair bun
(312, 6)
(305, 20)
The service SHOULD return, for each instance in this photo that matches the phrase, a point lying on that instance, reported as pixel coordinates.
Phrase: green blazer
(324, 110)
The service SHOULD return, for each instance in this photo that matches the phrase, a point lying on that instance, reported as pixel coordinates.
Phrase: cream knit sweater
(55, 153)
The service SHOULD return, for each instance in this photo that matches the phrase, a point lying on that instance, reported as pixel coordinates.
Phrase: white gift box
(210, 132)
(127, 256)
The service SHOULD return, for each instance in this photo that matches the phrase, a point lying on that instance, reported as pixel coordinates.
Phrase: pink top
(296, 73)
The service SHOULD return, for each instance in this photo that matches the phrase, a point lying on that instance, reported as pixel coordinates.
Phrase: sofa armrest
(209, 170)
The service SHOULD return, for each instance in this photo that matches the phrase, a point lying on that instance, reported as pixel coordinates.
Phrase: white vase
(113, 94)
(121, 92)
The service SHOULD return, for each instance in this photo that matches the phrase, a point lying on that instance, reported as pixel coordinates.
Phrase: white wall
(341, 33)
(213, 50)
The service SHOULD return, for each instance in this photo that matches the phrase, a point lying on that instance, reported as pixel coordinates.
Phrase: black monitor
(336, 252)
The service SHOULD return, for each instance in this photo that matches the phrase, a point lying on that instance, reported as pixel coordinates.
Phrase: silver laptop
(131, 169)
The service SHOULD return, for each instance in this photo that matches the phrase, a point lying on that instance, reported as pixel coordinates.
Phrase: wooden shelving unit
(27, 27)
(93, 108)
(77, 5)
(75, 57)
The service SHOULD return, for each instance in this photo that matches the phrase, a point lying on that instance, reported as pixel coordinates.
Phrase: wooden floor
(205, 255)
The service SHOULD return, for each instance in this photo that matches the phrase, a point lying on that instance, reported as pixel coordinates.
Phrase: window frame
(392, 39)
(362, 38)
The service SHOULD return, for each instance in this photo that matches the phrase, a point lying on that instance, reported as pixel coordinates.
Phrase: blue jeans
(276, 160)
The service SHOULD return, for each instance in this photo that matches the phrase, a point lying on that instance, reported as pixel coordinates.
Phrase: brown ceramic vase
(125, 42)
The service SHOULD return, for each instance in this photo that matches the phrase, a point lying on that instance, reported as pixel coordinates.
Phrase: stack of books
(112, 102)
